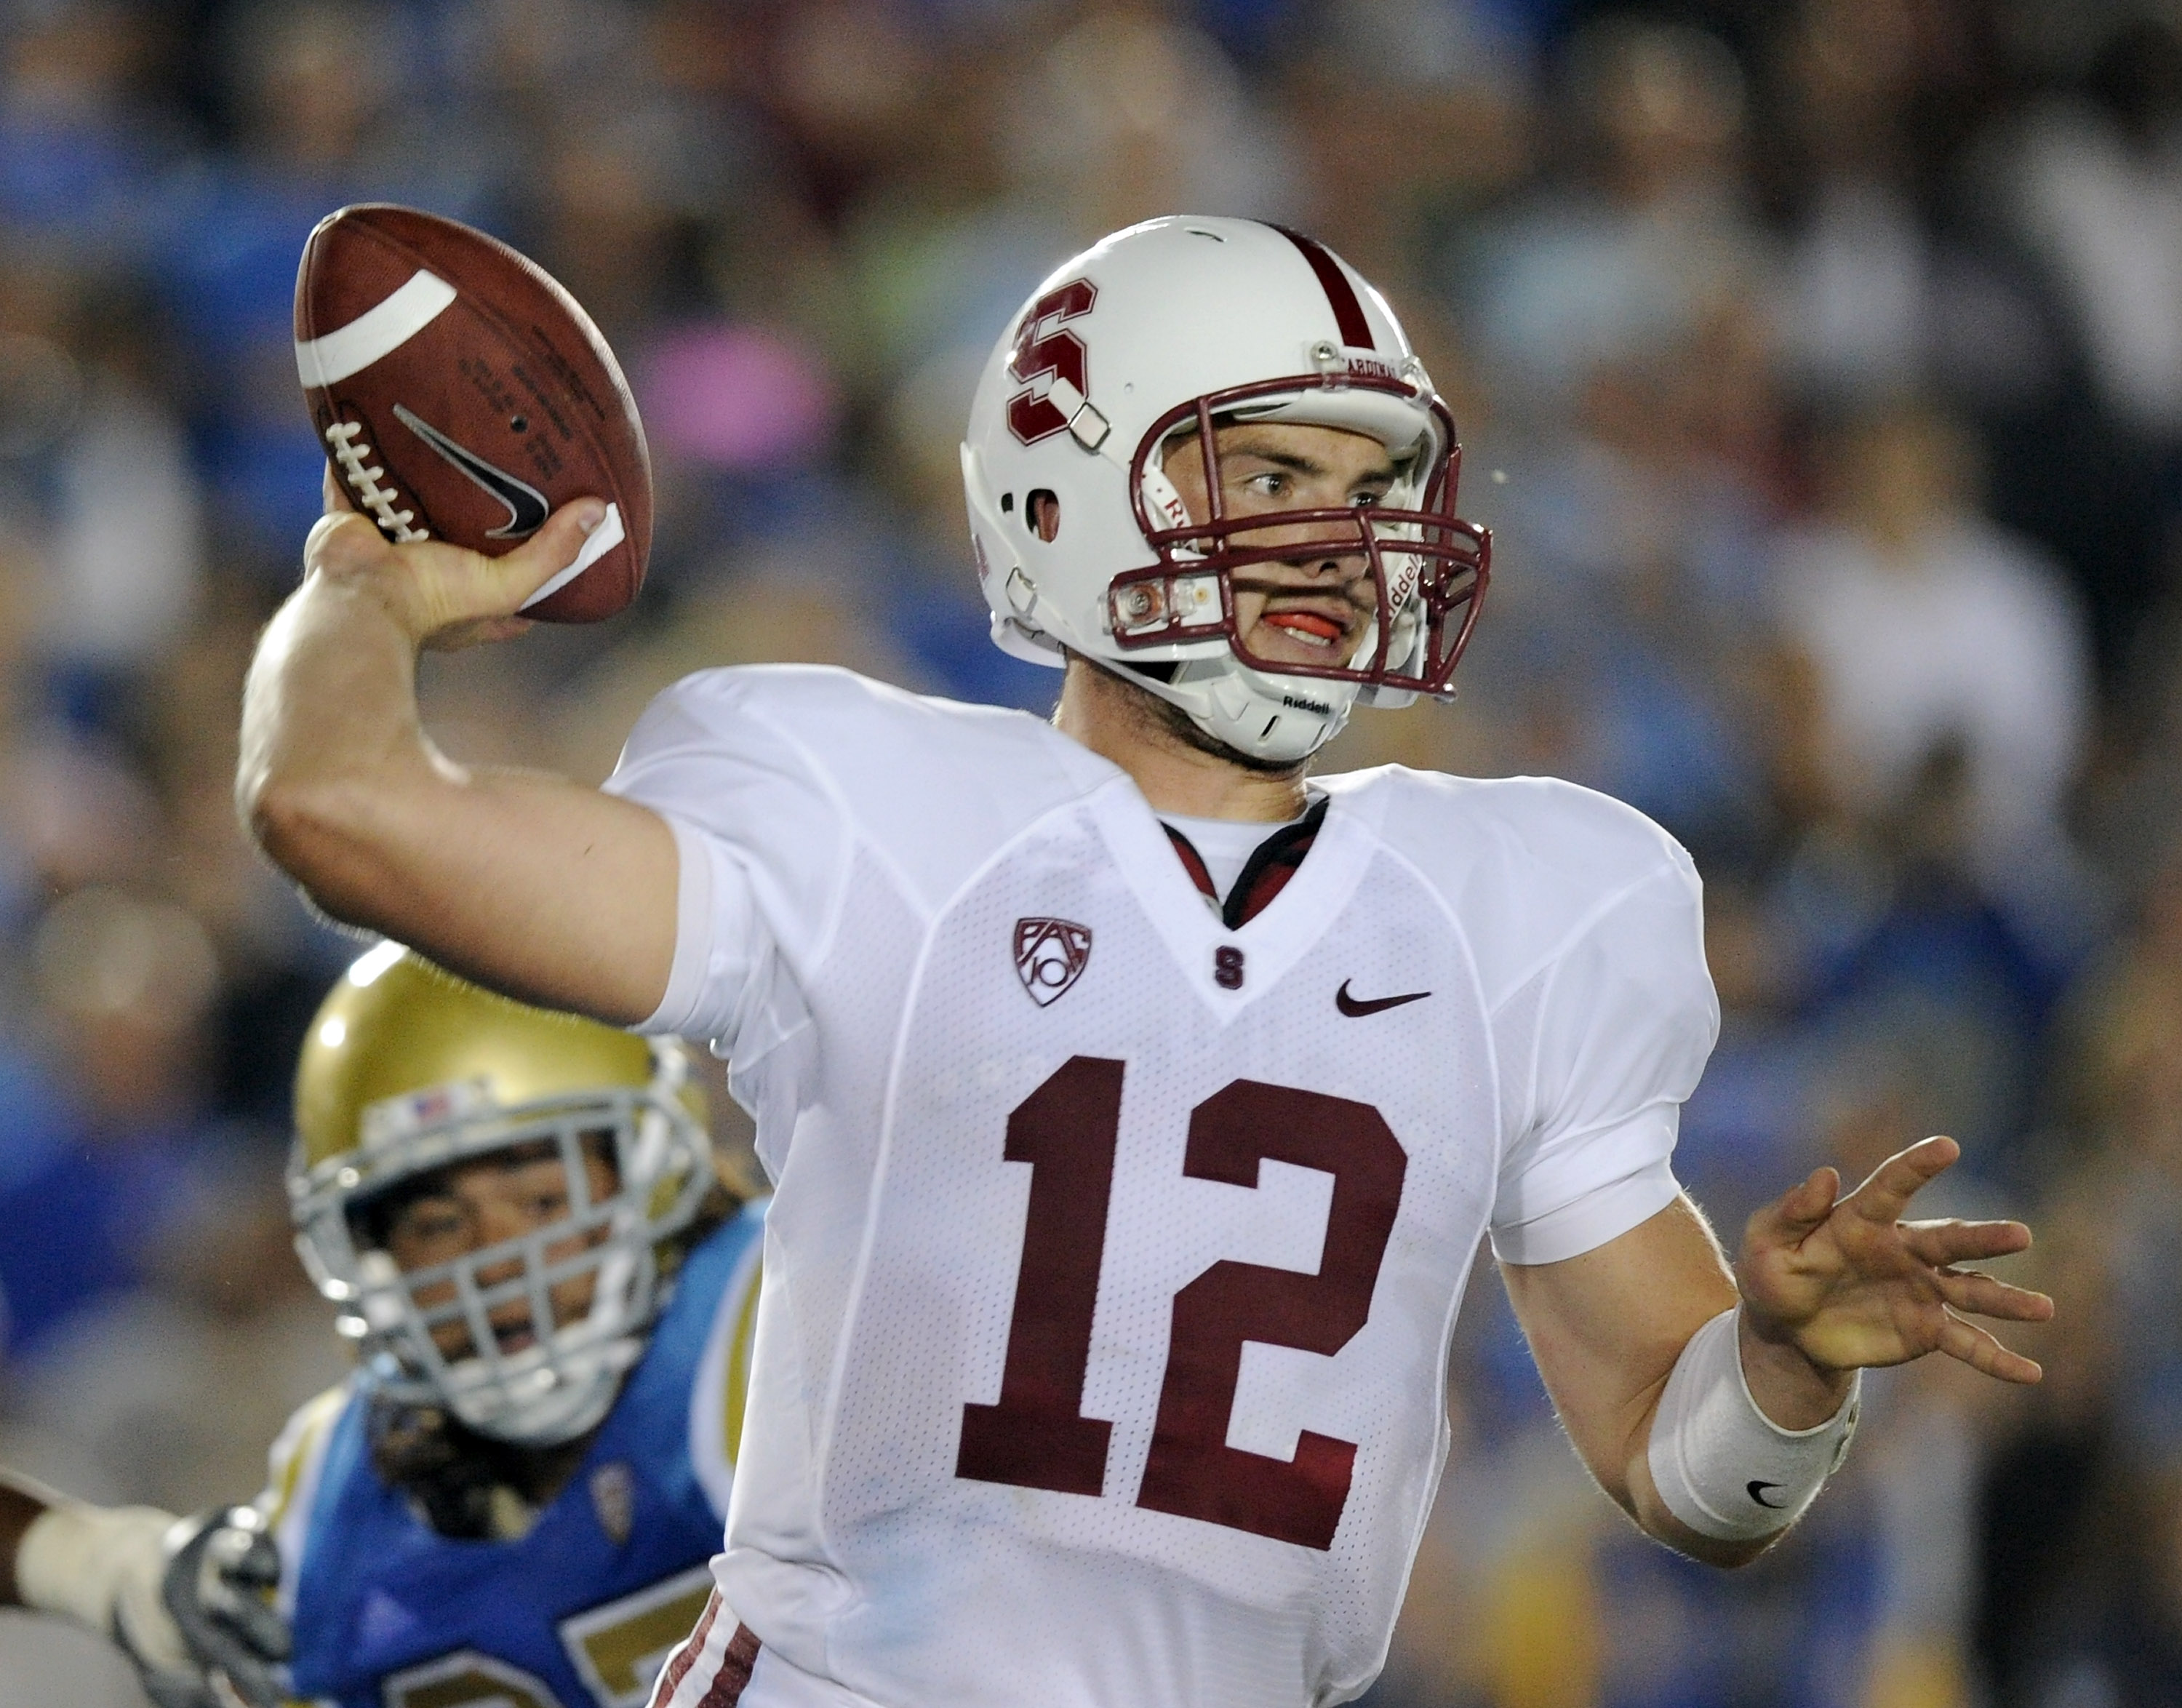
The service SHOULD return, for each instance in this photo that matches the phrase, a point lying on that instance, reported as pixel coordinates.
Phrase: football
(461, 394)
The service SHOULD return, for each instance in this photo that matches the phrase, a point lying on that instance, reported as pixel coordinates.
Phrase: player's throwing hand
(444, 596)
(1850, 1285)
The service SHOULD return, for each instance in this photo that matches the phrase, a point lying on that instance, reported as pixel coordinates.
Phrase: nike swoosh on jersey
(1357, 1007)
(527, 508)
(1757, 1493)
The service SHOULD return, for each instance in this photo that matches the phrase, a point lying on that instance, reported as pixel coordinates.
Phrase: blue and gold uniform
(582, 1608)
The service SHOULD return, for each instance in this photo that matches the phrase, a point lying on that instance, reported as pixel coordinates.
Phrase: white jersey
(1110, 1273)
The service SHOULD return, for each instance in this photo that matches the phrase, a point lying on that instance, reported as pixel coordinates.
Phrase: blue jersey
(581, 1610)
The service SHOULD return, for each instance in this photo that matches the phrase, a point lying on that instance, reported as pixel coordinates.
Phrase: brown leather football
(461, 394)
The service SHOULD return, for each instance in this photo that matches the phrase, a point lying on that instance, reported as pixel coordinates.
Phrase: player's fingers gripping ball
(465, 400)
(447, 596)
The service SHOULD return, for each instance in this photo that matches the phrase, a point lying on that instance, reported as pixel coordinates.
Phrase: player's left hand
(1850, 1285)
(223, 1569)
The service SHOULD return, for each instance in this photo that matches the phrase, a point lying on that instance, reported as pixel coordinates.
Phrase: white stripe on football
(375, 333)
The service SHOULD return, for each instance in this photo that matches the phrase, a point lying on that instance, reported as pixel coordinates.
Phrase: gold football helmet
(408, 1069)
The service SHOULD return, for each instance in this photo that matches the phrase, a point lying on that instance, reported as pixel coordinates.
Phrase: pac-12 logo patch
(613, 1500)
(1050, 955)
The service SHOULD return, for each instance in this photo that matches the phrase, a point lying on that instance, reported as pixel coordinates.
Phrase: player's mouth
(516, 1334)
(1319, 626)
(1307, 626)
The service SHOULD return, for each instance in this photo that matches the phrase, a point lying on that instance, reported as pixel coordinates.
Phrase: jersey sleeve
(763, 846)
(1600, 1047)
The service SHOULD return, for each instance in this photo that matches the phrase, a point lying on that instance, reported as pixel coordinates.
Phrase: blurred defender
(552, 1296)
(1137, 1104)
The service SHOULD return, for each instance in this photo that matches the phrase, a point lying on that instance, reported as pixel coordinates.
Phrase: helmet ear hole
(1042, 510)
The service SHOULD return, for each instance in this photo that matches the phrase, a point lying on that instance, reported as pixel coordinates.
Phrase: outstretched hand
(1850, 1285)
(443, 595)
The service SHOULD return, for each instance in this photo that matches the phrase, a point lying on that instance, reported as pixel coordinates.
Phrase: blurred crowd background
(1819, 366)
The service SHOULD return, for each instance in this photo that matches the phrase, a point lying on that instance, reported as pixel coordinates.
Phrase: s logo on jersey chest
(1050, 955)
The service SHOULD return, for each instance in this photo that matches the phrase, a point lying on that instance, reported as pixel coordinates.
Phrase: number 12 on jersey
(1037, 1436)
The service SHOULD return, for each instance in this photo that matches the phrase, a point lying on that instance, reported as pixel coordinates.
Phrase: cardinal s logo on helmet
(1041, 351)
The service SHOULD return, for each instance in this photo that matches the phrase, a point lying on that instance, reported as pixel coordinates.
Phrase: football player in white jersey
(1136, 1102)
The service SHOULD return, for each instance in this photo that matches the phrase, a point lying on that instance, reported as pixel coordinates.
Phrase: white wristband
(1722, 1466)
(103, 1566)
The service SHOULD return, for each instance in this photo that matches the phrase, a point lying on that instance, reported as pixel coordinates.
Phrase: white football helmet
(1175, 327)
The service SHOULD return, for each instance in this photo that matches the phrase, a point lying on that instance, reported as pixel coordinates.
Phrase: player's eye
(432, 1224)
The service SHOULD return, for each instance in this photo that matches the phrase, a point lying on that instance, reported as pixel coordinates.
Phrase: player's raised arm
(1712, 1407)
(531, 884)
(184, 1600)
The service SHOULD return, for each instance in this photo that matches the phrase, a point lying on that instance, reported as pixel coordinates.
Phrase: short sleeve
(761, 842)
(1599, 1048)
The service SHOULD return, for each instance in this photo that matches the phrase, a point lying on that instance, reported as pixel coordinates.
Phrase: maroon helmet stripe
(1348, 309)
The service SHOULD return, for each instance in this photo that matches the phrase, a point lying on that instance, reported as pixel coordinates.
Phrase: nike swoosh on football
(1757, 1493)
(1357, 1007)
(527, 508)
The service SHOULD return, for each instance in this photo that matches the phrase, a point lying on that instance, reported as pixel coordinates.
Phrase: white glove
(105, 1568)
(183, 1598)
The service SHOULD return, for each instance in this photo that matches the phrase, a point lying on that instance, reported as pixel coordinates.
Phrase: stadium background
(1819, 364)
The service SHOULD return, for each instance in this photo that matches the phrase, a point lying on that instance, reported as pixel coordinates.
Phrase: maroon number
(1193, 1471)
(1035, 1437)
(1042, 348)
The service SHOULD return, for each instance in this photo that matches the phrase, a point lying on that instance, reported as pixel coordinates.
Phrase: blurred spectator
(2085, 183)
(167, 1394)
(2071, 1520)
(772, 609)
(1893, 285)
(1857, 316)
(126, 526)
(1928, 626)
(1133, 112)
(2098, 191)
(84, 155)
(319, 97)
(1656, 237)
(103, 1136)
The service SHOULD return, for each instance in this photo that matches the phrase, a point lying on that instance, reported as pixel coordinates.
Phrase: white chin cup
(1721, 1466)
(1281, 719)
(554, 1405)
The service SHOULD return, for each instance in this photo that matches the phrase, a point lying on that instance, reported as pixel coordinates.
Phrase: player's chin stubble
(1164, 720)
